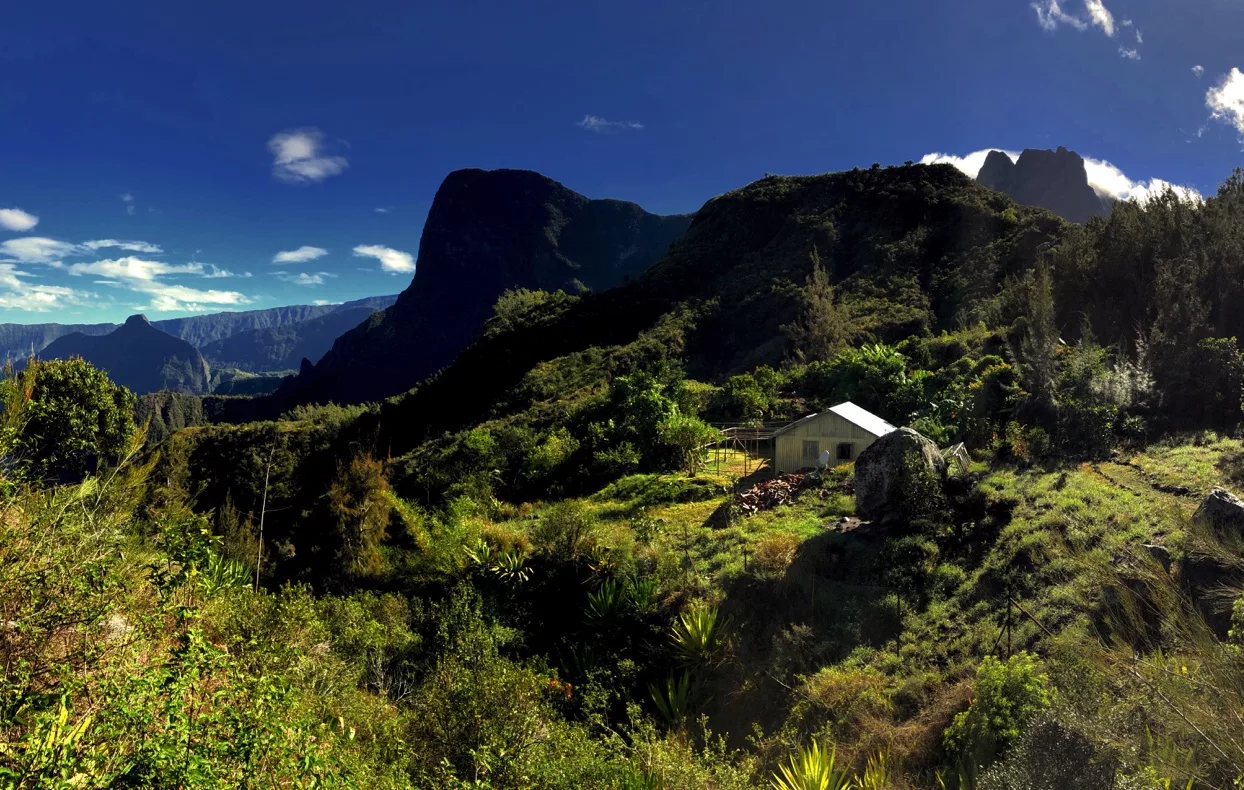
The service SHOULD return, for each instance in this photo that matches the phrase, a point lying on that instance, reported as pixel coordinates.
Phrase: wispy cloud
(1050, 15)
(146, 277)
(594, 123)
(128, 246)
(17, 220)
(18, 293)
(128, 200)
(1130, 54)
(1100, 16)
(1106, 179)
(1198, 70)
(301, 255)
(304, 278)
(1226, 100)
(391, 260)
(381, 210)
(35, 249)
(297, 157)
(214, 272)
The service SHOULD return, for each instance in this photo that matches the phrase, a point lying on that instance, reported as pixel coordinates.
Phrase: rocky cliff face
(487, 231)
(138, 356)
(1055, 180)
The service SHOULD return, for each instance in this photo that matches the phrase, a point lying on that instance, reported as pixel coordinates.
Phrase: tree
(689, 436)
(824, 326)
(75, 418)
(1038, 344)
(358, 498)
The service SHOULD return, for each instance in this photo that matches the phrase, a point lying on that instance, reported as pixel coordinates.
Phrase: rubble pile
(770, 493)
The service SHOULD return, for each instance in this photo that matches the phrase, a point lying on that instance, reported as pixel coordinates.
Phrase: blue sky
(208, 156)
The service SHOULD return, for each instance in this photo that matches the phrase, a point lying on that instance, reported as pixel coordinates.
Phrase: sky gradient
(172, 157)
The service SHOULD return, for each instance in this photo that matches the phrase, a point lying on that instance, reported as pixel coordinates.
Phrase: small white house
(834, 436)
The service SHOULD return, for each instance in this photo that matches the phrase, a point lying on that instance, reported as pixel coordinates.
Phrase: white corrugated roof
(863, 418)
(854, 415)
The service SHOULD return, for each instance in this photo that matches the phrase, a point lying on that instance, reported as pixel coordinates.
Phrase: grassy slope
(860, 675)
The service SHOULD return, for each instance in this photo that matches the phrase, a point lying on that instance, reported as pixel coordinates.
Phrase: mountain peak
(138, 319)
(1055, 180)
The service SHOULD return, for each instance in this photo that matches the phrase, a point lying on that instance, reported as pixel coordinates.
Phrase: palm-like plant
(813, 768)
(675, 699)
(876, 773)
(642, 593)
(511, 567)
(606, 603)
(696, 637)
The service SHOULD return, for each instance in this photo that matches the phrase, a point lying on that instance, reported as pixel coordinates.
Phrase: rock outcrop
(1055, 180)
(487, 231)
(1206, 577)
(893, 470)
(1222, 512)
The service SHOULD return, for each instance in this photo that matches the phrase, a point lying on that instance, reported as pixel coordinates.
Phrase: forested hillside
(545, 566)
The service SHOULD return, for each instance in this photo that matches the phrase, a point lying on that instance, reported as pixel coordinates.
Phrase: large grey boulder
(896, 474)
(1221, 511)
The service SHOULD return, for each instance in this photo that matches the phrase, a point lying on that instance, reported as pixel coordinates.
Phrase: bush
(564, 530)
(1006, 697)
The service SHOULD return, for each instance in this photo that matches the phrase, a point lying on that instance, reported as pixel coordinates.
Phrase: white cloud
(971, 164)
(1130, 54)
(1050, 15)
(301, 255)
(1100, 16)
(1106, 179)
(297, 157)
(128, 200)
(391, 260)
(17, 220)
(304, 278)
(214, 272)
(1140, 39)
(1198, 70)
(17, 293)
(323, 302)
(128, 246)
(131, 269)
(594, 123)
(381, 210)
(1226, 100)
(143, 276)
(36, 249)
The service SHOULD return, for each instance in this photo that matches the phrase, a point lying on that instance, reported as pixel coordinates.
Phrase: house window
(844, 451)
(811, 452)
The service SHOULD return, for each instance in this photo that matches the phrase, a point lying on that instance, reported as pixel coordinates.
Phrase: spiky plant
(696, 637)
(606, 602)
(641, 593)
(511, 567)
(876, 774)
(675, 699)
(813, 768)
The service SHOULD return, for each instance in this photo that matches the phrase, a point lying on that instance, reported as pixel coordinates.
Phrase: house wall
(828, 430)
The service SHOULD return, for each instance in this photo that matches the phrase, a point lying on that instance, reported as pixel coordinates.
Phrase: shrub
(564, 530)
(1007, 696)
(776, 551)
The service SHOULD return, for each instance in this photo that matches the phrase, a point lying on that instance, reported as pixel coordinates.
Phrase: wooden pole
(263, 508)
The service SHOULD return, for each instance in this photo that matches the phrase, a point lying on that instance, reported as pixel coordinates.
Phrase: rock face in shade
(139, 356)
(1054, 180)
(487, 231)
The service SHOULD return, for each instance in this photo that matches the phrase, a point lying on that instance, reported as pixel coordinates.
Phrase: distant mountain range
(487, 231)
(276, 339)
(1054, 180)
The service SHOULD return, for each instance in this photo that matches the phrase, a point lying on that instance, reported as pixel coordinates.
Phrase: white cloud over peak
(297, 157)
(304, 278)
(145, 277)
(132, 269)
(301, 255)
(391, 260)
(17, 220)
(35, 249)
(1106, 179)
(128, 246)
(594, 123)
(1226, 100)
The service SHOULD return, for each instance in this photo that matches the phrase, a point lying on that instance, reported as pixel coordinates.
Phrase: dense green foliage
(532, 572)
